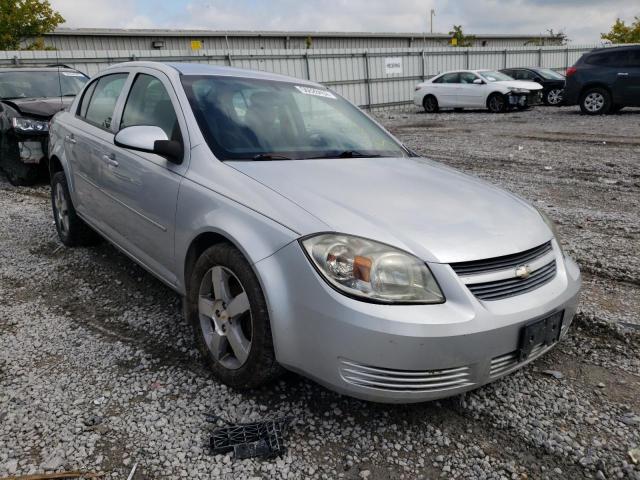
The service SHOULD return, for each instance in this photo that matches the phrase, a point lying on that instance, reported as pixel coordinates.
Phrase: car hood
(435, 212)
(520, 84)
(39, 107)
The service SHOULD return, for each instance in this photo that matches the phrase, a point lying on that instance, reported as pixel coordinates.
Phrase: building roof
(126, 32)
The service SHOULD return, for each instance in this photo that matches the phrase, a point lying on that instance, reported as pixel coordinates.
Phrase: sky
(582, 20)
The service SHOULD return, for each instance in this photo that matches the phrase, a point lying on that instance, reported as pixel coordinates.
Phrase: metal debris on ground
(57, 476)
(133, 471)
(249, 440)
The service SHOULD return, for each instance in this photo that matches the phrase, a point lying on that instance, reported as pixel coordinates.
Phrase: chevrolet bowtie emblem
(523, 271)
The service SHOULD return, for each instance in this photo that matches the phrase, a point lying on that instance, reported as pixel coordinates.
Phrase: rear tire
(430, 104)
(228, 312)
(595, 101)
(72, 230)
(497, 103)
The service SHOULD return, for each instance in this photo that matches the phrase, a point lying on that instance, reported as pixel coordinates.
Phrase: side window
(449, 78)
(149, 104)
(467, 77)
(609, 59)
(634, 58)
(103, 99)
(84, 103)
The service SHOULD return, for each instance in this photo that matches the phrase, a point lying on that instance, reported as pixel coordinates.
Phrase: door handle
(110, 160)
(623, 74)
(70, 139)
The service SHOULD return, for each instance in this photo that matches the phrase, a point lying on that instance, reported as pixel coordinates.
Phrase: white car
(476, 89)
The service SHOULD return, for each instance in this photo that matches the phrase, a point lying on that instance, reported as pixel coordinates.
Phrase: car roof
(38, 69)
(614, 49)
(214, 70)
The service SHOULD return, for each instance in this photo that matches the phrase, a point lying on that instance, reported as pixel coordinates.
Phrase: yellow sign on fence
(196, 44)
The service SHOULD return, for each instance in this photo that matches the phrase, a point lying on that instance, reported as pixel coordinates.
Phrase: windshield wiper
(270, 156)
(349, 154)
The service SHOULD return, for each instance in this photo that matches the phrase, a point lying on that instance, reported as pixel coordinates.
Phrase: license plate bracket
(544, 331)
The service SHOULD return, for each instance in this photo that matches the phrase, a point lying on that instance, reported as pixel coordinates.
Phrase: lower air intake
(405, 380)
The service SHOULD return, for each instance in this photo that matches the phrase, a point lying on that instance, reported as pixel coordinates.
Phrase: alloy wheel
(225, 317)
(554, 97)
(62, 209)
(496, 103)
(594, 102)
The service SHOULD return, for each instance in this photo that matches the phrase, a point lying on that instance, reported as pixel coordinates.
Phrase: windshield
(491, 76)
(251, 119)
(549, 74)
(38, 84)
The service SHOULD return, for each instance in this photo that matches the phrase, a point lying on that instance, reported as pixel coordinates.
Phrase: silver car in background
(303, 235)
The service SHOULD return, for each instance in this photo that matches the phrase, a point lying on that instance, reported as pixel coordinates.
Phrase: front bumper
(403, 353)
(525, 99)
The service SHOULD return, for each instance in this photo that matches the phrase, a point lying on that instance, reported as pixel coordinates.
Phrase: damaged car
(476, 89)
(29, 97)
(302, 235)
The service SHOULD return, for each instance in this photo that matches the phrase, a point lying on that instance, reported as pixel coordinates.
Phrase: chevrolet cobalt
(304, 236)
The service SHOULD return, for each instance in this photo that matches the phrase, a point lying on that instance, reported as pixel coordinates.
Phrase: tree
(23, 19)
(622, 33)
(542, 41)
(459, 39)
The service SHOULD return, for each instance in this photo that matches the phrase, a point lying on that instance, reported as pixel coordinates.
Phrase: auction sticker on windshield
(318, 92)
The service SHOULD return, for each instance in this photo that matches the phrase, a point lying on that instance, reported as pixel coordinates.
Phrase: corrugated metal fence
(370, 78)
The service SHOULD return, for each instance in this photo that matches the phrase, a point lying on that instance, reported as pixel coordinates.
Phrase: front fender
(201, 210)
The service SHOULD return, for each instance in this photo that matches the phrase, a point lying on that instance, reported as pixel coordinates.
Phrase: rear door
(630, 80)
(143, 187)
(445, 89)
(89, 131)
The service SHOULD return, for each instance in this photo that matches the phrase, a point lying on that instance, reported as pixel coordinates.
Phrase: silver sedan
(304, 236)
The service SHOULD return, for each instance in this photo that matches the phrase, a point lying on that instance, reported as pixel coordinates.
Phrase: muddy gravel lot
(98, 370)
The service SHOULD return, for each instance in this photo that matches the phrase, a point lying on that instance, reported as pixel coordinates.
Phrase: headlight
(370, 270)
(28, 125)
(552, 227)
(518, 90)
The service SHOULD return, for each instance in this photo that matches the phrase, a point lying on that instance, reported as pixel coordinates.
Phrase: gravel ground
(98, 371)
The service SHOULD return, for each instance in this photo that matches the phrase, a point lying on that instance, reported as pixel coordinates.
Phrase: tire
(595, 101)
(497, 103)
(554, 97)
(72, 230)
(430, 104)
(21, 174)
(236, 345)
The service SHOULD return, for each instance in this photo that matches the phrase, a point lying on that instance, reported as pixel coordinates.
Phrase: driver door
(143, 187)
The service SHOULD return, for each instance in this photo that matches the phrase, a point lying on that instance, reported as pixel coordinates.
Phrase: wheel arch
(592, 85)
(491, 94)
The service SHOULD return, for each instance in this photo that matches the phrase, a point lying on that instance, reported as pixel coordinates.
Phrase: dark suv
(605, 80)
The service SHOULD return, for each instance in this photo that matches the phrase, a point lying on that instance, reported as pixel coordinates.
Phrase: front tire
(430, 104)
(554, 97)
(229, 315)
(595, 101)
(72, 230)
(497, 103)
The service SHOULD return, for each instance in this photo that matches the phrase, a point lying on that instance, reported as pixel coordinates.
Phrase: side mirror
(151, 140)
(537, 80)
(478, 81)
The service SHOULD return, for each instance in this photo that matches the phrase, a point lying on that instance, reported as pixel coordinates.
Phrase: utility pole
(433, 14)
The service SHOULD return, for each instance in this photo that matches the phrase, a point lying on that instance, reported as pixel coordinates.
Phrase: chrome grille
(514, 286)
(501, 263)
(405, 380)
(505, 363)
